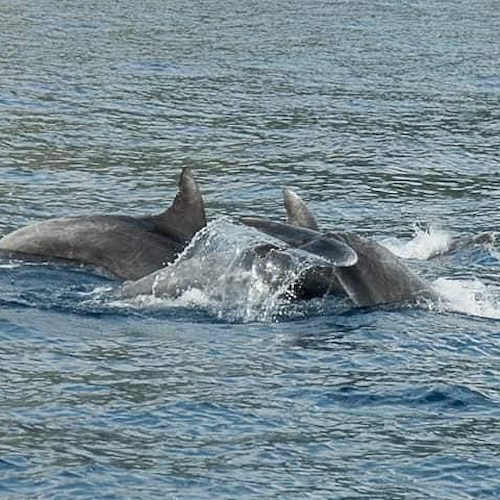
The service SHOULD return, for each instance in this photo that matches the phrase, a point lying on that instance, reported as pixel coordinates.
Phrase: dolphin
(199, 271)
(299, 214)
(124, 247)
(368, 273)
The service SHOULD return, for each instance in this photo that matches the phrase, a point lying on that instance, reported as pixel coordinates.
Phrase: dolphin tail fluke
(336, 252)
(298, 213)
(186, 215)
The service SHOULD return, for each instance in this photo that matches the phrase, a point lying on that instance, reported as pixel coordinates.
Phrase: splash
(233, 272)
(425, 244)
(470, 297)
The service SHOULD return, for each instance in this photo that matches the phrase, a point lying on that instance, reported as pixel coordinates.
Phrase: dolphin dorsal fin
(186, 216)
(297, 212)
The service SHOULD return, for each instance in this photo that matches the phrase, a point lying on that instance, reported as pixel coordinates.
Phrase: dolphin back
(380, 277)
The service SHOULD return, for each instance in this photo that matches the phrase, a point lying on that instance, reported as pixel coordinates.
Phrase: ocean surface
(385, 117)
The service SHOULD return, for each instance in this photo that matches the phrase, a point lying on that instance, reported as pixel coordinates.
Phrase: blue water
(384, 116)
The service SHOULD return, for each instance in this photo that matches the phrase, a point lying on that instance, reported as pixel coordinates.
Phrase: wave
(442, 395)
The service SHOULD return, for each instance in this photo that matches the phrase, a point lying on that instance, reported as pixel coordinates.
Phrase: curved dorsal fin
(186, 215)
(297, 212)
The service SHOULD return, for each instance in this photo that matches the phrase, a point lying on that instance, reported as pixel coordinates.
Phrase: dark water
(385, 116)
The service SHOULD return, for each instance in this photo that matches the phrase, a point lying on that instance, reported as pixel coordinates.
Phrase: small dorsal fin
(186, 215)
(298, 213)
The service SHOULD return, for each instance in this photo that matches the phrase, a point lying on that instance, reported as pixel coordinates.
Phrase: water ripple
(384, 117)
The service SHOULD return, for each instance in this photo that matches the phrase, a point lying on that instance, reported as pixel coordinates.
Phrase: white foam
(425, 244)
(10, 265)
(470, 297)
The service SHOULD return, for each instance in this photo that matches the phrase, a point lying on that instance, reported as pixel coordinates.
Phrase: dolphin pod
(199, 272)
(361, 269)
(136, 249)
(123, 246)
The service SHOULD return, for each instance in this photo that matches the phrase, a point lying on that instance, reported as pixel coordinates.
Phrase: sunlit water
(385, 117)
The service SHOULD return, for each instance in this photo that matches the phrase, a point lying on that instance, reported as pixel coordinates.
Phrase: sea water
(384, 117)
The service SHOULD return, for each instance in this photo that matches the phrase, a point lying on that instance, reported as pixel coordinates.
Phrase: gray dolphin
(213, 272)
(123, 246)
(368, 273)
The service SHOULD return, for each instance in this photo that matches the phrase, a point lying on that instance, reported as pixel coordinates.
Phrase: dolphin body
(368, 273)
(123, 246)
